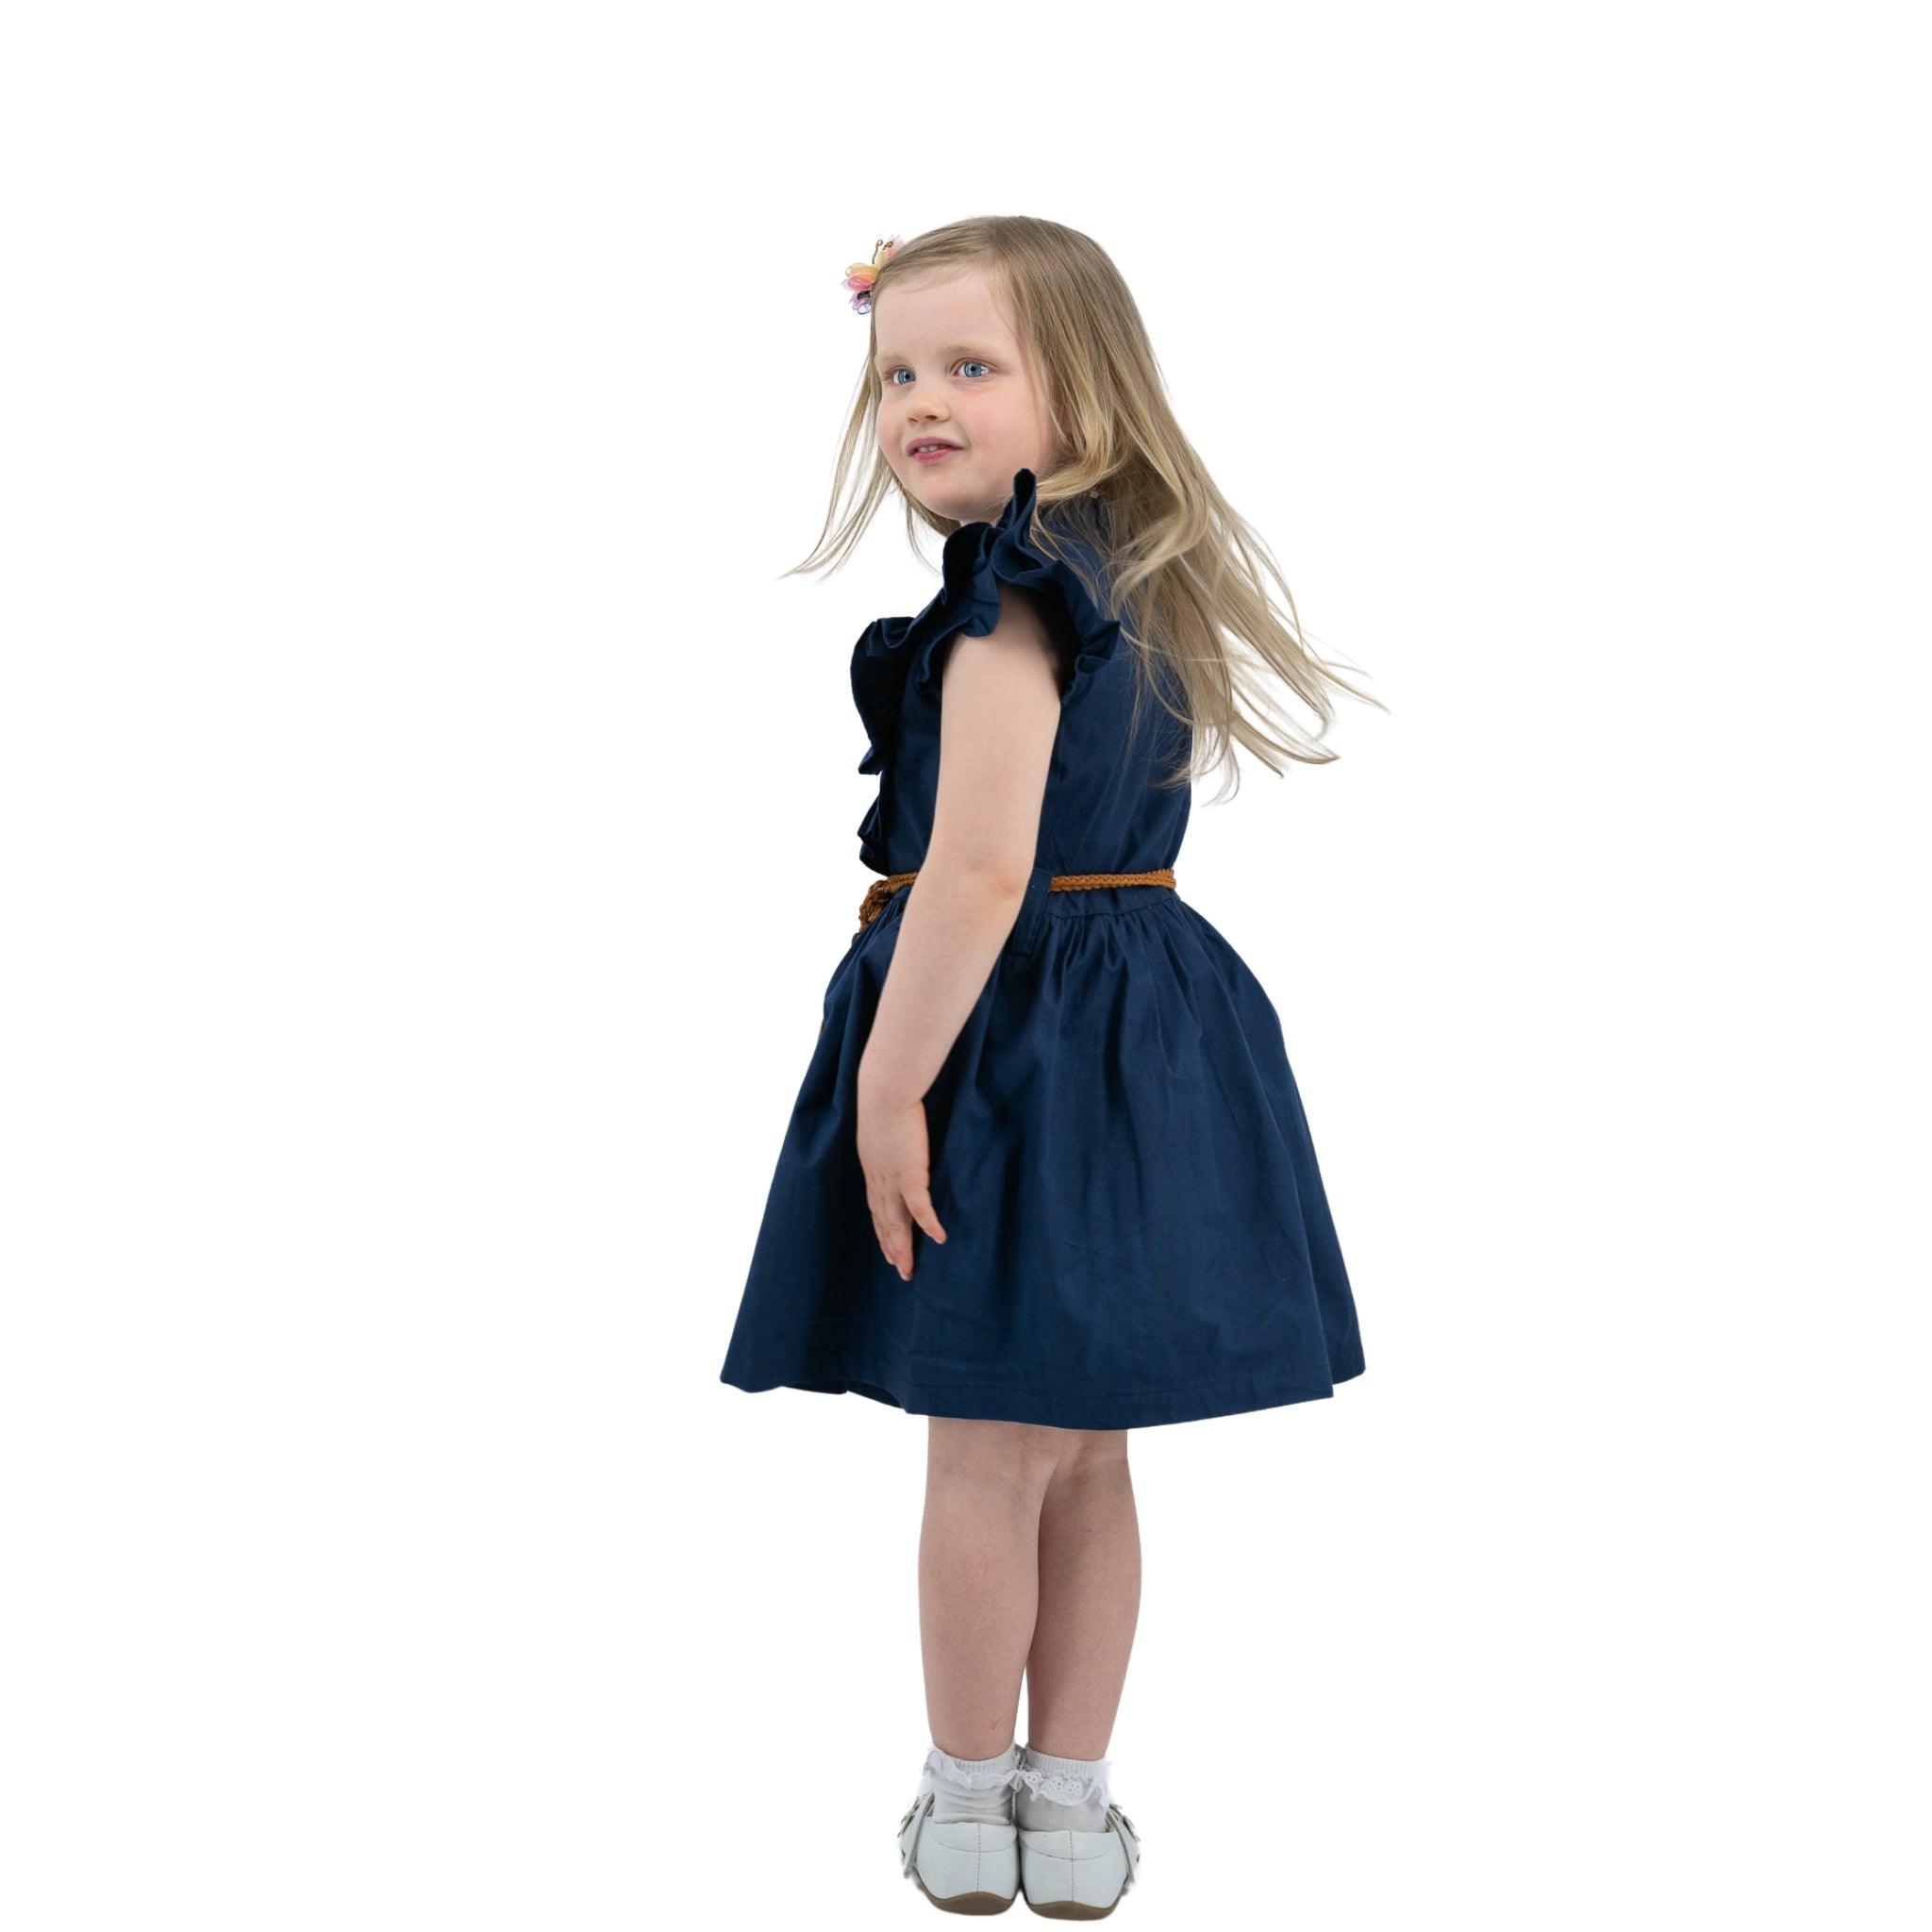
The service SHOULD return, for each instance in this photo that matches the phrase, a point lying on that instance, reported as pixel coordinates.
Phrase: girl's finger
(919, 1204)
(895, 1241)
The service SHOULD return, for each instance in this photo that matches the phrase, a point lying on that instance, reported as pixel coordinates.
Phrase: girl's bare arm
(999, 715)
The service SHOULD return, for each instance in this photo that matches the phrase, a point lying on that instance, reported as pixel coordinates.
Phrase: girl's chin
(944, 485)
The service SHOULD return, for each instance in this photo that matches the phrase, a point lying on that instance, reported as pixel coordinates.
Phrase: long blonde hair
(1185, 568)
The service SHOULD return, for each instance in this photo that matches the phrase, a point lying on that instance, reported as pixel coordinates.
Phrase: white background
(427, 813)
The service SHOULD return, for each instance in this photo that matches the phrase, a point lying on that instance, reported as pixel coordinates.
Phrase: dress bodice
(1103, 810)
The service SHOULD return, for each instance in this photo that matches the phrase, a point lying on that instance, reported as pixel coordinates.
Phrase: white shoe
(969, 1866)
(1080, 1874)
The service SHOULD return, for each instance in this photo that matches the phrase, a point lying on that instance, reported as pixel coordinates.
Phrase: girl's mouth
(933, 456)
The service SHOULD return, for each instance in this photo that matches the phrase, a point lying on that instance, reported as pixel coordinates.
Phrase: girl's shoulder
(1057, 553)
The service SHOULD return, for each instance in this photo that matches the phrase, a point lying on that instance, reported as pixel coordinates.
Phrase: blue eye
(971, 362)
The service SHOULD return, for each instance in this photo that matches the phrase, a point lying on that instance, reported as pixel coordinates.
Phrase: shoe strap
(920, 1806)
(1131, 1841)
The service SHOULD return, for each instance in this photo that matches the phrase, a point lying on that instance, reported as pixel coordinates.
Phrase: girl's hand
(893, 1149)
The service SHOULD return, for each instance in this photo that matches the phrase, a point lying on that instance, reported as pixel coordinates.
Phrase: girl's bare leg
(1089, 1597)
(979, 1574)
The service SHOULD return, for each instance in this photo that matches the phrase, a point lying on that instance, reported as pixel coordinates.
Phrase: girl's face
(952, 371)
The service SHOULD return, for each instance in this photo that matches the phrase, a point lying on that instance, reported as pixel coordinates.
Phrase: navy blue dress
(1136, 1231)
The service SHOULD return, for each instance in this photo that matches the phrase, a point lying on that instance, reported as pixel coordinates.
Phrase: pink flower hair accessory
(862, 274)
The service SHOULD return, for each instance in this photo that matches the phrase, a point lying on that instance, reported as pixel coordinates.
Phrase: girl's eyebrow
(886, 355)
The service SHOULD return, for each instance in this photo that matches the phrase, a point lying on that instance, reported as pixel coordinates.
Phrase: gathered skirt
(1137, 1227)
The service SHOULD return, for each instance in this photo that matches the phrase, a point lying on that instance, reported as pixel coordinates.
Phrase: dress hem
(1130, 1410)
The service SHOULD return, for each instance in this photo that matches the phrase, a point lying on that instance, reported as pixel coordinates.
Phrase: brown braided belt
(881, 889)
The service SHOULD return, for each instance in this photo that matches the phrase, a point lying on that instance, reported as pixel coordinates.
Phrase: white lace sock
(972, 1790)
(1062, 1794)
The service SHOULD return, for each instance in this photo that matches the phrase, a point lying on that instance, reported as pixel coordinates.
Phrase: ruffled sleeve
(878, 674)
(979, 558)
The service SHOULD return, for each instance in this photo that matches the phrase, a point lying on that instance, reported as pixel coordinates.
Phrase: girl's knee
(1022, 1454)
(1082, 1450)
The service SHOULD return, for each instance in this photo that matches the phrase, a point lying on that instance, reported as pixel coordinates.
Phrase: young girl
(1042, 1058)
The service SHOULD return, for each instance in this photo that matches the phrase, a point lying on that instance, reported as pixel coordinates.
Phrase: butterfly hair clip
(862, 274)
